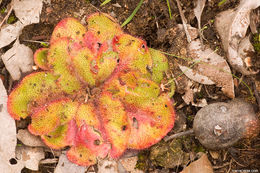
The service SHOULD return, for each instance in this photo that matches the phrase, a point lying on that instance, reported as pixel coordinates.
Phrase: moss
(143, 160)
(256, 42)
(3, 10)
(167, 155)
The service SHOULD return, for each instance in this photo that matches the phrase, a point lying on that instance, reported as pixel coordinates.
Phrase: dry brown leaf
(7, 136)
(18, 60)
(9, 33)
(65, 166)
(109, 166)
(198, 11)
(232, 26)
(202, 165)
(28, 11)
(129, 164)
(29, 156)
(28, 139)
(210, 69)
(246, 51)
(213, 66)
(188, 97)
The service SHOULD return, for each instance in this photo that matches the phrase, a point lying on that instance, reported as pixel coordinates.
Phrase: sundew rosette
(97, 92)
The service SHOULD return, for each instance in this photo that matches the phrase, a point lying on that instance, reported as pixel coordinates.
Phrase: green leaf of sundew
(86, 114)
(133, 53)
(150, 121)
(115, 123)
(131, 87)
(103, 26)
(81, 155)
(59, 63)
(160, 65)
(81, 61)
(62, 136)
(40, 58)
(107, 63)
(34, 90)
(56, 113)
(69, 28)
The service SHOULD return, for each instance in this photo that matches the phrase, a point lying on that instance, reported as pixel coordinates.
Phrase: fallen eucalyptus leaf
(108, 166)
(196, 76)
(28, 11)
(9, 33)
(202, 165)
(18, 60)
(198, 11)
(213, 66)
(246, 51)
(129, 164)
(232, 26)
(210, 69)
(7, 136)
(65, 166)
(28, 139)
(30, 157)
(188, 97)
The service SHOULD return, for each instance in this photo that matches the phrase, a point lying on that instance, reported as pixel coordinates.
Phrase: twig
(230, 166)
(7, 15)
(256, 94)
(95, 7)
(49, 161)
(183, 21)
(221, 166)
(188, 132)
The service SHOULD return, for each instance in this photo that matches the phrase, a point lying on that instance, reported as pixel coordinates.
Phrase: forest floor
(153, 24)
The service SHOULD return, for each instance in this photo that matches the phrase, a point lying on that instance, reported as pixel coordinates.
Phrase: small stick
(188, 132)
(256, 94)
(183, 21)
(49, 161)
(7, 15)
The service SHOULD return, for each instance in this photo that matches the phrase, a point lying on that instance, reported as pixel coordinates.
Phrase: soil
(153, 24)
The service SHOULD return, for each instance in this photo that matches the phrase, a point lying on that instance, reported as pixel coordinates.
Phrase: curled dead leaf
(202, 165)
(232, 26)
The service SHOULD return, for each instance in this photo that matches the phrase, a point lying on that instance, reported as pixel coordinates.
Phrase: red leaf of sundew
(69, 28)
(92, 42)
(91, 137)
(40, 58)
(89, 132)
(115, 123)
(150, 122)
